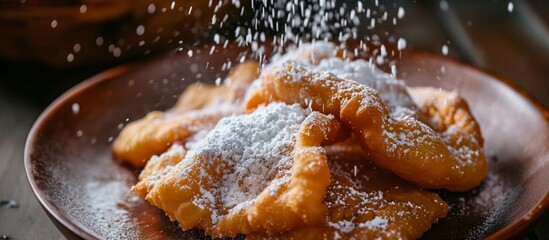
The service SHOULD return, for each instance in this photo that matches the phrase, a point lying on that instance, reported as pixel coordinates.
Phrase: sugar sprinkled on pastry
(264, 171)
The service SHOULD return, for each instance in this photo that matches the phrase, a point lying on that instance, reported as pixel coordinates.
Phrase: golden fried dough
(317, 147)
(199, 95)
(155, 133)
(448, 114)
(156, 168)
(261, 172)
(367, 202)
(401, 144)
(198, 109)
(239, 79)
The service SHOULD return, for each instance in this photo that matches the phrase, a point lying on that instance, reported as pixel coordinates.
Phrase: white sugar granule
(401, 12)
(253, 149)
(401, 44)
(445, 50)
(75, 108)
(140, 30)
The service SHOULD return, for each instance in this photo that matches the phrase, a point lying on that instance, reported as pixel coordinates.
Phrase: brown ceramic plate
(86, 192)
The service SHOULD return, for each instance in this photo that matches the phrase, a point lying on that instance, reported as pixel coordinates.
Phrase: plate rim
(517, 228)
(51, 209)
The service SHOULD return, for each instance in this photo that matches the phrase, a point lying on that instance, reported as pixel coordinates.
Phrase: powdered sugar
(376, 223)
(490, 203)
(391, 90)
(252, 150)
(223, 109)
(175, 150)
(395, 138)
(464, 153)
(494, 200)
(359, 204)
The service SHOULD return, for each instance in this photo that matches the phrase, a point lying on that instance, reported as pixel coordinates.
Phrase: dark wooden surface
(486, 35)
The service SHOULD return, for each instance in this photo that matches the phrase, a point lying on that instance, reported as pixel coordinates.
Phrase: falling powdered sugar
(253, 151)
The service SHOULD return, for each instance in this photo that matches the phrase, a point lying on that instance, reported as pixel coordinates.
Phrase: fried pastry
(261, 172)
(448, 114)
(402, 144)
(367, 202)
(319, 146)
(157, 131)
(392, 91)
(156, 168)
(198, 109)
(199, 95)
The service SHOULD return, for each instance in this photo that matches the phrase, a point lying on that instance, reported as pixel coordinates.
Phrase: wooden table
(484, 34)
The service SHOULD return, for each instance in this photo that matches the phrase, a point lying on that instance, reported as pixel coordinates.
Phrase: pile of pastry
(315, 145)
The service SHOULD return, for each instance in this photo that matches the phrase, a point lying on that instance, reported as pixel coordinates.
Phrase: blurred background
(48, 46)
